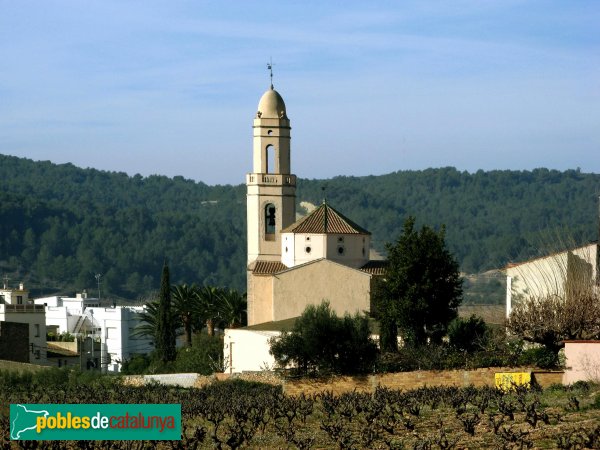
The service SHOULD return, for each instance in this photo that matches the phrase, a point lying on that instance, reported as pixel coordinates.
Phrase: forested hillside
(61, 225)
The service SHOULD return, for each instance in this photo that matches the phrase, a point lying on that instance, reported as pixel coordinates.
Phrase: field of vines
(237, 414)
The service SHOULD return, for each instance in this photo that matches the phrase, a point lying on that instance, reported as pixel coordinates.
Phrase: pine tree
(422, 288)
(165, 345)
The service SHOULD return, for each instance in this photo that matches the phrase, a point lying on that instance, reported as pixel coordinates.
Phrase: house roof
(288, 325)
(375, 267)
(510, 265)
(59, 351)
(268, 267)
(325, 220)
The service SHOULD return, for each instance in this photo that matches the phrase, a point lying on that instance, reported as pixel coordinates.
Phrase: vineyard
(237, 414)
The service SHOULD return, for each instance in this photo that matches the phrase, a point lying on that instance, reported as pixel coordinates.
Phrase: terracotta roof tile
(268, 267)
(325, 220)
(375, 267)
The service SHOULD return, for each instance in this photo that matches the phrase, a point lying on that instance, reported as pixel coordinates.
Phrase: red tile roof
(268, 267)
(325, 220)
(375, 267)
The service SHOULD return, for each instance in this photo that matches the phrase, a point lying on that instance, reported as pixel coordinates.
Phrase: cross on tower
(270, 69)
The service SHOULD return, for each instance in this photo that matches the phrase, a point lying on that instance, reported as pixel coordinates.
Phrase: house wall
(247, 350)
(547, 275)
(35, 318)
(582, 361)
(117, 344)
(15, 296)
(346, 289)
(14, 341)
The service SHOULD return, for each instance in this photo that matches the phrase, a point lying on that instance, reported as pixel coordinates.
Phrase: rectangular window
(111, 333)
(19, 299)
(37, 329)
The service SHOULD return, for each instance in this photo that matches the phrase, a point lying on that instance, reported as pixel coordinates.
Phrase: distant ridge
(62, 224)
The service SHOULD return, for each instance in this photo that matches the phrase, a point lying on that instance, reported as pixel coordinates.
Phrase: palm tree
(209, 298)
(149, 321)
(185, 305)
(233, 308)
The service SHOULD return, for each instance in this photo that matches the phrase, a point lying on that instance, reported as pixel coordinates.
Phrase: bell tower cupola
(271, 188)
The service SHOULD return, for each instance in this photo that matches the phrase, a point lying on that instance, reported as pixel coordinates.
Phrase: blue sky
(171, 87)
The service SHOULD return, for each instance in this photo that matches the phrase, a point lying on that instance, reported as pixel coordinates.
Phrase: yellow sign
(508, 380)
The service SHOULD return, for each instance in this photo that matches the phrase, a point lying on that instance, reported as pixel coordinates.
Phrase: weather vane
(270, 69)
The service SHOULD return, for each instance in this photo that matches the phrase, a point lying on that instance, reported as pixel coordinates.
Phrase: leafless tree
(561, 301)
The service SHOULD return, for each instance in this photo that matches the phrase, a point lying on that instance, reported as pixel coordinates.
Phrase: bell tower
(271, 188)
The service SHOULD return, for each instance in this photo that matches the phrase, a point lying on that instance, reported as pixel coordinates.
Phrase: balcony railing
(272, 178)
(7, 308)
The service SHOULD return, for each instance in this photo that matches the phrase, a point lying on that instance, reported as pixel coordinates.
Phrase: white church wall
(309, 247)
(347, 249)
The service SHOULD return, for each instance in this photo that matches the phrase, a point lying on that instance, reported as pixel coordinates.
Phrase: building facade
(111, 329)
(555, 274)
(292, 264)
(15, 306)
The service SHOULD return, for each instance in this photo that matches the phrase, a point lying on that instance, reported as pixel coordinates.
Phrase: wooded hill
(60, 224)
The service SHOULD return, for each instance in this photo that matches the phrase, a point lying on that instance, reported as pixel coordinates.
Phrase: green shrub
(205, 356)
(468, 335)
(137, 365)
(540, 357)
(323, 343)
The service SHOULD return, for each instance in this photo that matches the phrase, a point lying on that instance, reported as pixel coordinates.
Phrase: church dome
(271, 106)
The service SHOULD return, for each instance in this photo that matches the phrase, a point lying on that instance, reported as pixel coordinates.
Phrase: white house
(113, 327)
(553, 274)
(247, 350)
(15, 306)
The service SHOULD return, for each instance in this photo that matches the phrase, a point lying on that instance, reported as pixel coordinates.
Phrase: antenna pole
(98, 280)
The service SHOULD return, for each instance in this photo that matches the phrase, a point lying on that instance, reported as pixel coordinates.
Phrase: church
(293, 263)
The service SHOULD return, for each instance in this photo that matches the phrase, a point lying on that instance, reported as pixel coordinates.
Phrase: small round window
(307, 249)
(341, 250)
(270, 132)
(308, 238)
(341, 239)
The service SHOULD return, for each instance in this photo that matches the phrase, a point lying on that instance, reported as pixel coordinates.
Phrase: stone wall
(171, 379)
(20, 366)
(368, 383)
(414, 380)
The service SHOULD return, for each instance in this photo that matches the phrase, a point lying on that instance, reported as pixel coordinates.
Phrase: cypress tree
(165, 345)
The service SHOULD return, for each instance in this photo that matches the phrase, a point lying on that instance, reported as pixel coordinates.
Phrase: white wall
(247, 350)
(582, 361)
(546, 275)
(116, 326)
